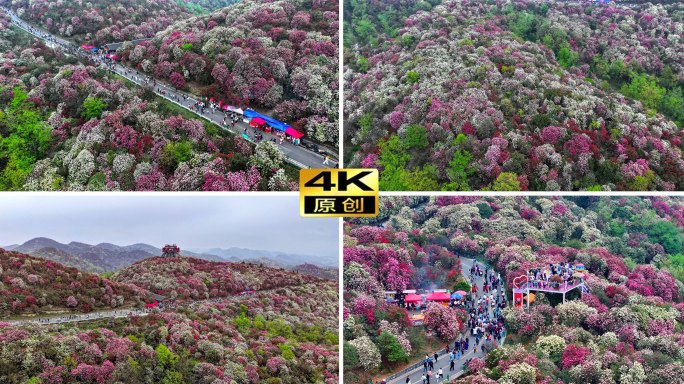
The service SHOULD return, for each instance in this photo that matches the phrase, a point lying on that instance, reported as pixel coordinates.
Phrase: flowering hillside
(289, 336)
(191, 278)
(101, 21)
(279, 56)
(31, 285)
(626, 329)
(516, 96)
(92, 131)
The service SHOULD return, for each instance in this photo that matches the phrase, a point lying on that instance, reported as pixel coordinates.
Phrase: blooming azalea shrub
(196, 279)
(626, 327)
(645, 280)
(94, 132)
(288, 334)
(446, 322)
(31, 285)
(280, 55)
(100, 22)
(574, 355)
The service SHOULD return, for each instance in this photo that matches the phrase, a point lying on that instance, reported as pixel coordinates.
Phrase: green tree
(420, 179)
(524, 25)
(645, 89)
(242, 323)
(286, 351)
(506, 181)
(165, 357)
(462, 285)
(617, 71)
(460, 167)
(616, 228)
(485, 210)
(390, 349)
(393, 158)
(173, 377)
(567, 57)
(176, 153)
(27, 140)
(673, 105)
(416, 137)
(667, 234)
(279, 327)
(412, 77)
(92, 108)
(366, 32)
(362, 63)
(351, 356)
(365, 124)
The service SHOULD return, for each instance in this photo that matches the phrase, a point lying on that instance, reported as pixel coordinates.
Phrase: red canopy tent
(413, 298)
(155, 304)
(438, 296)
(257, 122)
(294, 133)
(87, 46)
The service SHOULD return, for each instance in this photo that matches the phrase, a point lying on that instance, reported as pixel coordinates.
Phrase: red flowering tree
(446, 322)
(574, 355)
(177, 80)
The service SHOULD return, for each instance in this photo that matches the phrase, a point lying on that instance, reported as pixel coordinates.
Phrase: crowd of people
(92, 316)
(555, 276)
(100, 57)
(484, 327)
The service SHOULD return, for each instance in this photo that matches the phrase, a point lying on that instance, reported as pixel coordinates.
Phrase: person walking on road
(408, 380)
(452, 366)
(326, 160)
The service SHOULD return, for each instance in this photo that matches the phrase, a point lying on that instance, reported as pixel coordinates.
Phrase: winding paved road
(75, 318)
(120, 313)
(443, 362)
(295, 154)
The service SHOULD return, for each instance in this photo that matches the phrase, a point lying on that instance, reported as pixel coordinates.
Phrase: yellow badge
(338, 192)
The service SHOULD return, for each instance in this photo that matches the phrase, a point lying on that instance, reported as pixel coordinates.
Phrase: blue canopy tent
(279, 125)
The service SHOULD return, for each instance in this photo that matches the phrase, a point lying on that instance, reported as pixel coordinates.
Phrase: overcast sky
(257, 222)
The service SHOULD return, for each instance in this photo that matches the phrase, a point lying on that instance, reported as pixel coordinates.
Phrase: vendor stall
(258, 122)
(233, 109)
(296, 135)
(440, 297)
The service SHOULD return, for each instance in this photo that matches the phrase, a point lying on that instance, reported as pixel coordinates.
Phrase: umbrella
(462, 293)
(456, 295)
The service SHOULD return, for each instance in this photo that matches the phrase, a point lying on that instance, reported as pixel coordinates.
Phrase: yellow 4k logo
(338, 192)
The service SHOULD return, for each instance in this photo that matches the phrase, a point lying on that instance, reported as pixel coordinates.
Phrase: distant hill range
(106, 257)
(283, 259)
